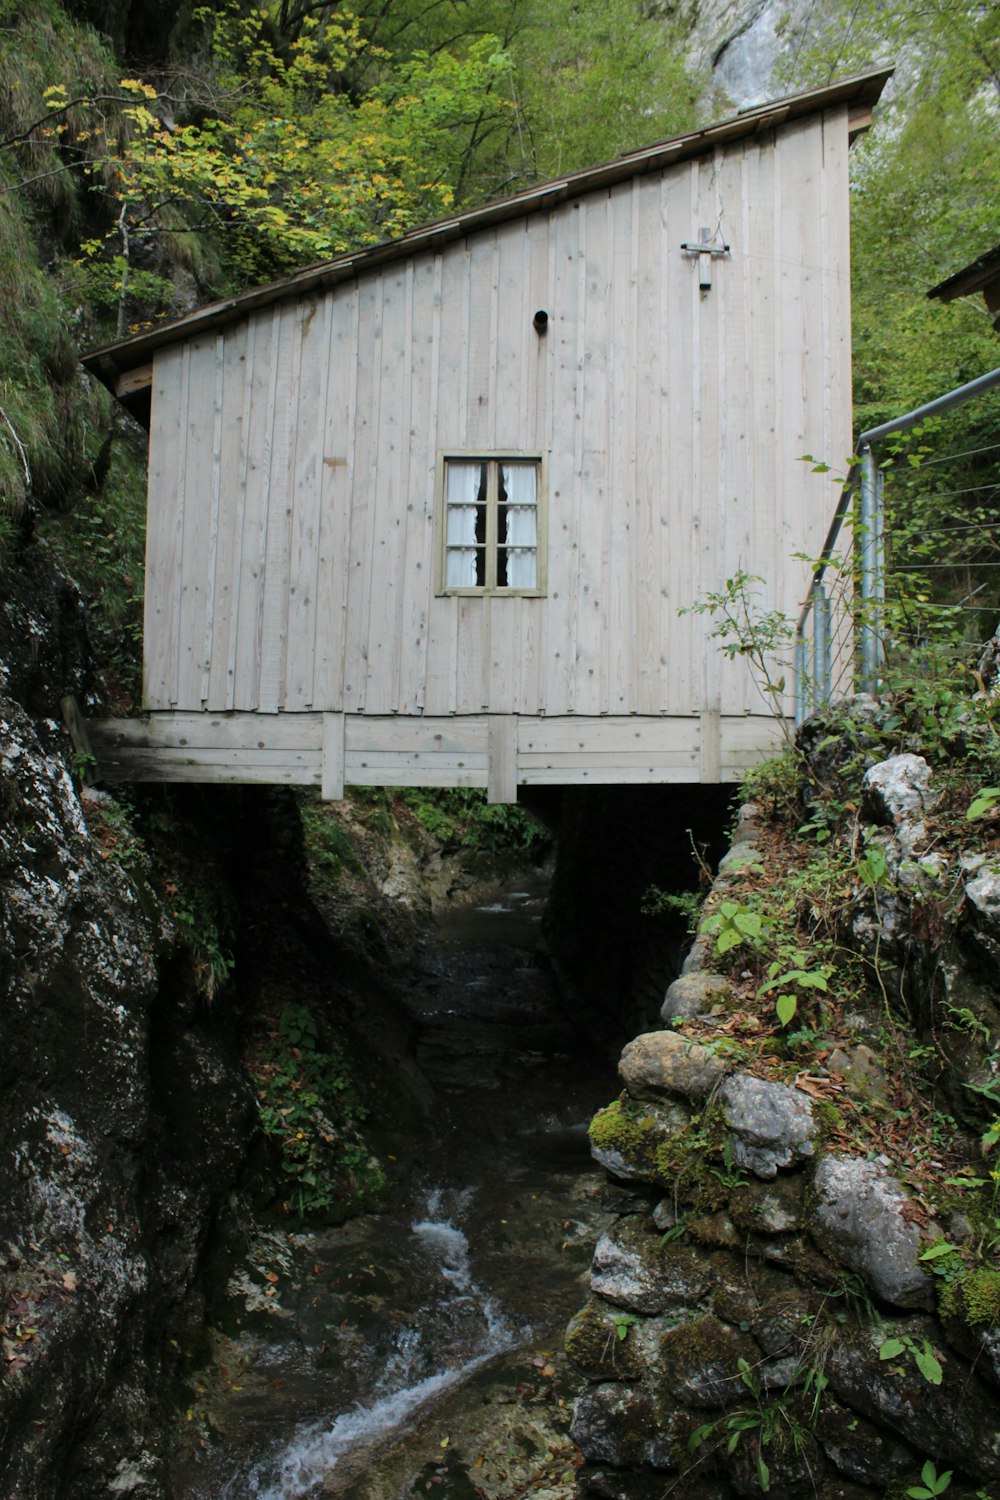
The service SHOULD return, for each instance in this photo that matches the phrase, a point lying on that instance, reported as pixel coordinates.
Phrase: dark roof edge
(971, 278)
(112, 360)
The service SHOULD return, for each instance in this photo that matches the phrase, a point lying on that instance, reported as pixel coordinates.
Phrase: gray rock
(660, 1063)
(694, 994)
(625, 1426)
(698, 955)
(856, 1218)
(772, 1124)
(774, 1208)
(740, 857)
(955, 1421)
(632, 1269)
(983, 895)
(897, 793)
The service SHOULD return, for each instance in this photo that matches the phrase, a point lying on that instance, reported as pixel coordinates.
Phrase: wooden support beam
(333, 758)
(83, 752)
(501, 759)
(709, 747)
(129, 382)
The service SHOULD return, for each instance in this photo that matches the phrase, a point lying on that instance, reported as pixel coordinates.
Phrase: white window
(491, 524)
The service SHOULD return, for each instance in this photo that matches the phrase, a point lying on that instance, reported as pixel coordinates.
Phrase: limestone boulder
(658, 1064)
(772, 1124)
(858, 1218)
(695, 994)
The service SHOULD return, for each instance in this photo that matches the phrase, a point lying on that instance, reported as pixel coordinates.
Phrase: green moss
(593, 1342)
(637, 1135)
(973, 1295)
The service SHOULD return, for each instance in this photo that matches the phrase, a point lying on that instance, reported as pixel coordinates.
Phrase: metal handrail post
(822, 632)
(867, 559)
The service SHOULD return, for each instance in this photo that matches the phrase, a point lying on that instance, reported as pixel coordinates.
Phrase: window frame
(493, 458)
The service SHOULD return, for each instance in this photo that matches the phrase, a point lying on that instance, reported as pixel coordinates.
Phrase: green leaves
(933, 1483)
(733, 924)
(921, 1353)
(983, 802)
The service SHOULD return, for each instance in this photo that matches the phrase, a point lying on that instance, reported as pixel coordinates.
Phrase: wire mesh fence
(909, 578)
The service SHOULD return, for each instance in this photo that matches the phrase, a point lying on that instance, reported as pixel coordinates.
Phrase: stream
(418, 1351)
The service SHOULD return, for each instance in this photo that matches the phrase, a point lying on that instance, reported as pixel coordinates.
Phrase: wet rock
(955, 1421)
(859, 1449)
(660, 1063)
(857, 1218)
(694, 994)
(898, 793)
(699, 1362)
(772, 1124)
(627, 1427)
(633, 1269)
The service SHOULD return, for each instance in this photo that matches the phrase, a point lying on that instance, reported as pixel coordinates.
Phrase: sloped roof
(113, 362)
(982, 275)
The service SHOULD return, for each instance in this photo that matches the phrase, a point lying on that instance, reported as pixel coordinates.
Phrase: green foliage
(309, 1106)
(195, 910)
(746, 628)
(462, 818)
(623, 1321)
(328, 846)
(921, 1351)
(686, 904)
(765, 1422)
(734, 925)
(933, 1482)
(786, 1004)
(984, 801)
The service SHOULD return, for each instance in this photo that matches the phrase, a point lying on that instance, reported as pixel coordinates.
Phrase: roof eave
(113, 363)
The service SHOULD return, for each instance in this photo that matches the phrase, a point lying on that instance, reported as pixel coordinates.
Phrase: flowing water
(404, 1352)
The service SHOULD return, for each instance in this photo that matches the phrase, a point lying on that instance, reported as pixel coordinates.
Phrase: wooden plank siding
(291, 538)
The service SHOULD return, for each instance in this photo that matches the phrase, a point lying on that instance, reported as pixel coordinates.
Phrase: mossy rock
(699, 1362)
(628, 1140)
(593, 1342)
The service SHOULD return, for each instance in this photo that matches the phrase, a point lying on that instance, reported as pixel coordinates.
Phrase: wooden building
(431, 513)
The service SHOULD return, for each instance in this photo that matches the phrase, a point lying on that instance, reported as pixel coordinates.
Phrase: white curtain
(463, 491)
(521, 539)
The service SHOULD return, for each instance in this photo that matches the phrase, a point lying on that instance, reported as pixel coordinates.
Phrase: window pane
(460, 568)
(521, 483)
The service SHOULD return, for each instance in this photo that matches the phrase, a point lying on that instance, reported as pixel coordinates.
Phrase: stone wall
(761, 1320)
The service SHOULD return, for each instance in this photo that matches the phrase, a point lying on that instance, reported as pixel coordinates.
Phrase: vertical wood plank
(309, 417)
(256, 488)
(362, 539)
(337, 499)
(647, 250)
(212, 605)
(166, 463)
(592, 687)
(419, 473)
(277, 567)
(388, 508)
(221, 645)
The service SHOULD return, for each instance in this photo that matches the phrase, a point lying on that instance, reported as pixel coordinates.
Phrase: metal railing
(840, 636)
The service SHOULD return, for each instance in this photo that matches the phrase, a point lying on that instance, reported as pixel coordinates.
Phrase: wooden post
(501, 758)
(709, 747)
(333, 758)
(85, 767)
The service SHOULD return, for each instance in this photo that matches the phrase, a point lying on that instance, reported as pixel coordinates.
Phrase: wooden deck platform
(497, 751)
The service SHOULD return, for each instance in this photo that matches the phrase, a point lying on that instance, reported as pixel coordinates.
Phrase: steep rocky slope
(802, 1290)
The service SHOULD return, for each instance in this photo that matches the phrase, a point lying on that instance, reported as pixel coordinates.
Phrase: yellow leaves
(56, 96)
(136, 86)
